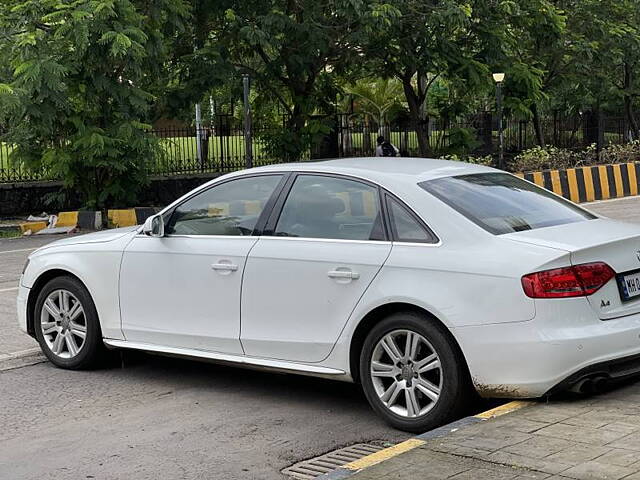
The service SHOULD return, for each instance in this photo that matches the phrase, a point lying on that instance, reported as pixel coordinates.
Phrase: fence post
(199, 135)
(248, 144)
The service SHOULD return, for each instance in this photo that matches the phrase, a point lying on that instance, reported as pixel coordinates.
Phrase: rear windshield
(501, 203)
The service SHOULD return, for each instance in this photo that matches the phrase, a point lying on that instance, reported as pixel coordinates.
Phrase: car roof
(383, 170)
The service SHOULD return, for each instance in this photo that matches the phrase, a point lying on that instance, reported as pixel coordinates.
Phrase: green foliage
(287, 145)
(293, 50)
(461, 141)
(539, 158)
(78, 98)
(377, 98)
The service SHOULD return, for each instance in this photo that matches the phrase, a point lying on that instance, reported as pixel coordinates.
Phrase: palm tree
(375, 100)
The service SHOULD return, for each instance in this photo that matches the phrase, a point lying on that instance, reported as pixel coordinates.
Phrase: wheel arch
(44, 278)
(379, 313)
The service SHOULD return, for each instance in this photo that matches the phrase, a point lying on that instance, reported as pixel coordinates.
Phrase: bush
(539, 158)
(629, 152)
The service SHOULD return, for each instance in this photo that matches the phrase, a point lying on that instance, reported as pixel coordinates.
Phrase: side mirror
(154, 226)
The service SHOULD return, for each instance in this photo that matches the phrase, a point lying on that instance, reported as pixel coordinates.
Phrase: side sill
(240, 360)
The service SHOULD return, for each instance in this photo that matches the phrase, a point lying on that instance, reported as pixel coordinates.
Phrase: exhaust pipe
(583, 386)
(600, 384)
(590, 385)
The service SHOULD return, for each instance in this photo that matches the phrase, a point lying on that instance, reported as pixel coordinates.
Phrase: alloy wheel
(406, 373)
(63, 323)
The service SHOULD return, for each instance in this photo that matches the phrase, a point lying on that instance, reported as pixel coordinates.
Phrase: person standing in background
(386, 148)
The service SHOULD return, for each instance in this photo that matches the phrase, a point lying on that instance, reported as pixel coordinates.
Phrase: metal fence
(220, 146)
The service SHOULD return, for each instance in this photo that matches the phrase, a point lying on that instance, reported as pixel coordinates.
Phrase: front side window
(502, 203)
(231, 208)
(328, 207)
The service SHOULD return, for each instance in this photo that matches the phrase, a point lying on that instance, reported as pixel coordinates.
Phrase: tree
(84, 74)
(293, 49)
(418, 42)
(377, 98)
(606, 53)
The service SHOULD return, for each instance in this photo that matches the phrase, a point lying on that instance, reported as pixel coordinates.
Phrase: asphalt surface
(148, 417)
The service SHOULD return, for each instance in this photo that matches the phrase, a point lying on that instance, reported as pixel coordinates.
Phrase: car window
(329, 207)
(502, 203)
(405, 226)
(232, 208)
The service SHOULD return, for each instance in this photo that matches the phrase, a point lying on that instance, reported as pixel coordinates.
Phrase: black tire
(92, 350)
(456, 391)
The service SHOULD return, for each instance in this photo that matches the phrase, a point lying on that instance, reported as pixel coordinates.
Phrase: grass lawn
(10, 233)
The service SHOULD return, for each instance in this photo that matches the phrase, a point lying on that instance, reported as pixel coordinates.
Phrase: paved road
(13, 253)
(154, 417)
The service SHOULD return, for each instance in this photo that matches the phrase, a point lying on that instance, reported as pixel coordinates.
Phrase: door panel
(298, 294)
(184, 291)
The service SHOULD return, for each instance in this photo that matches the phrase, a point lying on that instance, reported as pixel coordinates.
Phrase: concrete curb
(129, 217)
(587, 184)
(375, 458)
(91, 220)
(20, 359)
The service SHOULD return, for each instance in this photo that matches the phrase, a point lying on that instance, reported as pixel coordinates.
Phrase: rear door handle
(343, 274)
(224, 267)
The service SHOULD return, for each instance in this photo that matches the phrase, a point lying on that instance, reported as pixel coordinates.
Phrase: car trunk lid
(598, 240)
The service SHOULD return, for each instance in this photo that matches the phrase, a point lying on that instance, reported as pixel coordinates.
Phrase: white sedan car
(420, 279)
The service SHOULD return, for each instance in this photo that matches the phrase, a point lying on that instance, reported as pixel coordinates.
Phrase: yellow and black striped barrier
(586, 184)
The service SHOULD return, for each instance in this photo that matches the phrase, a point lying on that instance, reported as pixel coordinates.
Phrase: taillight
(576, 281)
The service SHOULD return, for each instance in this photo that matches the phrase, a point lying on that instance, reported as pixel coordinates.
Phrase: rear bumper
(562, 344)
(21, 303)
(617, 369)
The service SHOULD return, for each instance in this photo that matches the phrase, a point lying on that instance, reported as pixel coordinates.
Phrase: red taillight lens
(576, 281)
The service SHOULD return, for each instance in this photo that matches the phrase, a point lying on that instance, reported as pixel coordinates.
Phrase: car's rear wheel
(66, 324)
(411, 374)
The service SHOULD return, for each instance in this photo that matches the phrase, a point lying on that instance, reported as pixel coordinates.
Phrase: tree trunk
(537, 125)
(419, 124)
(634, 131)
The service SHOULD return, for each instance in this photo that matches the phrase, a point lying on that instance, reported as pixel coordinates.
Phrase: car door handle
(343, 274)
(226, 267)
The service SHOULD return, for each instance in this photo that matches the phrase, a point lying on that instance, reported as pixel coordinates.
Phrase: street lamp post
(248, 140)
(499, 78)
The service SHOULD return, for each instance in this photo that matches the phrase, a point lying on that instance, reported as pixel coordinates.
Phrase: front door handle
(343, 274)
(224, 267)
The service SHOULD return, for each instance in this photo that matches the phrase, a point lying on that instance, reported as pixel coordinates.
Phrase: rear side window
(405, 226)
(502, 203)
(333, 208)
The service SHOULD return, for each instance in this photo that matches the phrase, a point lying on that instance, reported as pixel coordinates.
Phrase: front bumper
(21, 303)
(563, 343)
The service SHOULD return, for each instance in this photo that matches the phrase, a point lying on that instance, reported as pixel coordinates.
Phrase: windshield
(502, 203)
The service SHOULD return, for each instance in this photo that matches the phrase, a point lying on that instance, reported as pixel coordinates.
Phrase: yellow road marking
(588, 184)
(574, 194)
(633, 181)
(555, 182)
(617, 176)
(33, 226)
(412, 443)
(67, 219)
(503, 409)
(604, 182)
(385, 454)
(122, 218)
(538, 179)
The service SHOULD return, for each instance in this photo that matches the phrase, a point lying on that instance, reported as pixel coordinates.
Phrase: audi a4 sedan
(422, 280)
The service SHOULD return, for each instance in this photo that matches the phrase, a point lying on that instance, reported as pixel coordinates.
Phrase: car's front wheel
(66, 324)
(411, 373)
